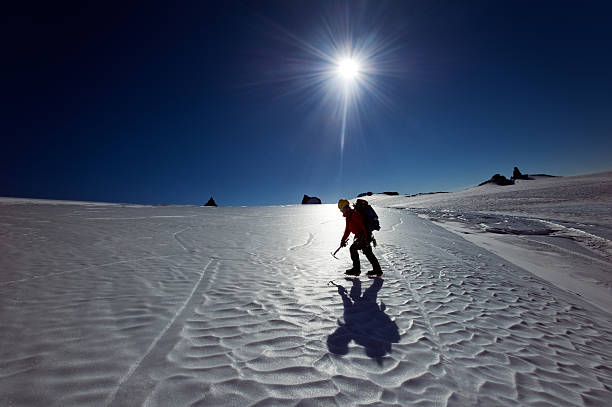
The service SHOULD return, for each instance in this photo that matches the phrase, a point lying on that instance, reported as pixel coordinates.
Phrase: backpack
(370, 218)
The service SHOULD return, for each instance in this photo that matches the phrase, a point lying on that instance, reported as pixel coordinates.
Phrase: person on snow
(355, 225)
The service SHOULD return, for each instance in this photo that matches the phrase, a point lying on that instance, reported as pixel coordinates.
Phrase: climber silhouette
(365, 322)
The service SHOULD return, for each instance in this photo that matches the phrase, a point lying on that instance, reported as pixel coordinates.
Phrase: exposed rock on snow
(308, 200)
(501, 180)
(371, 193)
(426, 193)
(516, 174)
(498, 179)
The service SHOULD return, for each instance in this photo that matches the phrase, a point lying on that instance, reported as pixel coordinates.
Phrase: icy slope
(557, 228)
(580, 199)
(109, 305)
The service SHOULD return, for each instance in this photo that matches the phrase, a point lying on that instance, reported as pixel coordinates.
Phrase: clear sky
(175, 102)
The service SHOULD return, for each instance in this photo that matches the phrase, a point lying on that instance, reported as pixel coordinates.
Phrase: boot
(352, 272)
(375, 273)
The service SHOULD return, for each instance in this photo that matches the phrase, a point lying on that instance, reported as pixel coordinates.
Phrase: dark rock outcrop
(371, 193)
(211, 202)
(426, 193)
(516, 174)
(498, 179)
(307, 200)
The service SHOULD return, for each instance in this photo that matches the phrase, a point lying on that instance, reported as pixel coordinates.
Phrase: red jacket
(354, 224)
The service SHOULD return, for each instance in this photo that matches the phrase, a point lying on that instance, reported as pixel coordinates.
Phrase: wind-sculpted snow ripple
(248, 343)
(238, 309)
(494, 329)
(76, 337)
(472, 330)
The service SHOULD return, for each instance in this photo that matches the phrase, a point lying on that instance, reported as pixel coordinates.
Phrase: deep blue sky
(173, 103)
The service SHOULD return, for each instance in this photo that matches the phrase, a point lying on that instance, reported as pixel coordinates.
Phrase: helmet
(342, 204)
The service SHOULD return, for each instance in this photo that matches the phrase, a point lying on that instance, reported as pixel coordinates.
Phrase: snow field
(157, 306)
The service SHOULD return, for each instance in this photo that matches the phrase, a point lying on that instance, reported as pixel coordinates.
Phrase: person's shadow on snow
(365, 322)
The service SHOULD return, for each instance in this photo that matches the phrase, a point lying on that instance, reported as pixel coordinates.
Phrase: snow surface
(111, 305)
(558, 228)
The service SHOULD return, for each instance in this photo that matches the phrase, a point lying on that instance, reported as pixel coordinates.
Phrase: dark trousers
(364, 246)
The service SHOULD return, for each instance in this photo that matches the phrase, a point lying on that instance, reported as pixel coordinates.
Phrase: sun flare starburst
(339, 68)
(348, 68)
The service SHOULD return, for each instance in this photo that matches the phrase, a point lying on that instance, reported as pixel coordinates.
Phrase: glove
(343, 243)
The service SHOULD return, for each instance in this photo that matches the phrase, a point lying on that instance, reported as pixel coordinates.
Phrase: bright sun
(348, 69)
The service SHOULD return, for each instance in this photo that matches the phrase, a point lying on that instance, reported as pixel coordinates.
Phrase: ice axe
(340, 288)
(337, 250)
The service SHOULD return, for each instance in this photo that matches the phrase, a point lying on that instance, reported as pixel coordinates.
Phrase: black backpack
(370, 218)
